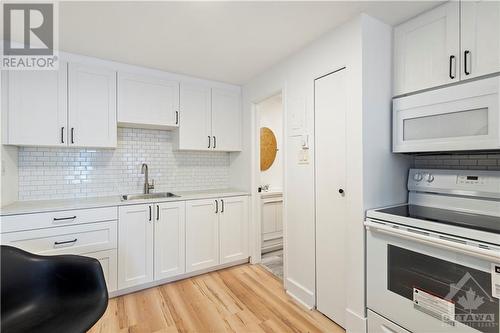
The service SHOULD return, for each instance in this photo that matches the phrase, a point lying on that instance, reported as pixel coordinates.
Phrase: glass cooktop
(467, 220)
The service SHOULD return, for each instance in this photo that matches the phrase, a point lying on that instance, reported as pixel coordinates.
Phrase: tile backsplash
(480, 161)
(57, 173)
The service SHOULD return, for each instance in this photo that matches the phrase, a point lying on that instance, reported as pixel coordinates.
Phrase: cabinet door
(480, 31)
(195, 117)
(279, 216)
(378, 324)
(169, 235)
(424, 47)
(107, 259)
(226, 119)
(148, 102)
(268, 217)
(92, 106)
(202, 234)
(233, 223)
(37, 107)
(135, 245)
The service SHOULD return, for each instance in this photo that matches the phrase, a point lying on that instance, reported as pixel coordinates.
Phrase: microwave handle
(484, 254)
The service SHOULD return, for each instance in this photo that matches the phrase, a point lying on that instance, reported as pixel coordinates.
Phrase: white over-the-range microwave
(463, 117)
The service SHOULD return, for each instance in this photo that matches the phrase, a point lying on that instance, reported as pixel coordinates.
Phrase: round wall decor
(268, 148)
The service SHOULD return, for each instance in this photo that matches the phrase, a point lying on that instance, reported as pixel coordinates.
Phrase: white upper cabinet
(233, 224)
(147, 102)
(210, 118)
(92, 106)
(169, 239)
(226, 120)
(455, 41)
(35, 103)
(195, 132)
(480, 31)
(426, 50)
(202, 234)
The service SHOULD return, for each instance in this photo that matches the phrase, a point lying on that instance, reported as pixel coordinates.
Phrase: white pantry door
(169, 235)
(331, 102)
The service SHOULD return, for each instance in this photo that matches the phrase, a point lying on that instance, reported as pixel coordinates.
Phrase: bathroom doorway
(270, 124)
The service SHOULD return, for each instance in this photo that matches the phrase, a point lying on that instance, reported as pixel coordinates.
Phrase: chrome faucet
(145, 172)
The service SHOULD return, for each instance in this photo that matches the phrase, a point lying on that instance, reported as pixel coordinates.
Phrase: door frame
(256, 235)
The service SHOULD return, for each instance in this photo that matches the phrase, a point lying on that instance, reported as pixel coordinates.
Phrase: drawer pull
(66, 242)
(64, 218)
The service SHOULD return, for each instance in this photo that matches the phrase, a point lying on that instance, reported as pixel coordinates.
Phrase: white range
(433, 264)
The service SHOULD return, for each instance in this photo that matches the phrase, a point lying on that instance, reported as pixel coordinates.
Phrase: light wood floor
(244, 298)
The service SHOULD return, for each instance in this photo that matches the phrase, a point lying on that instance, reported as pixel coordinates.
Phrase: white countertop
(271, 193)
(39, 206)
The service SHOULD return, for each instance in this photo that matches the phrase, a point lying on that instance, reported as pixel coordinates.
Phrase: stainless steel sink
(158, 195)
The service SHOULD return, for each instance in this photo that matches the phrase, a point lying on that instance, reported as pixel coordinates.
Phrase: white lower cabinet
(233, 227)
(150, 242)
(202, 234)
(108, 261)
(86, 232)
(169, 236)
(378, 324)
(135, 245)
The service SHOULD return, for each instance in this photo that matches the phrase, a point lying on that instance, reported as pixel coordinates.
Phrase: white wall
(271, 116)
(368, 119)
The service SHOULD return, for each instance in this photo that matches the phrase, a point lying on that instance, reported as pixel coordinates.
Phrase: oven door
(427, 282)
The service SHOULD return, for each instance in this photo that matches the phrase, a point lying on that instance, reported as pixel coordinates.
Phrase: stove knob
(418, 177)
(430, 178)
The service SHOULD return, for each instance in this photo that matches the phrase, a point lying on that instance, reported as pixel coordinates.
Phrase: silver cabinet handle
(66, 242)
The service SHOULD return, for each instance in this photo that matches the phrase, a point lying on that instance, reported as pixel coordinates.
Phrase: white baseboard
(300, 293)
(152, 284)
(354, 323)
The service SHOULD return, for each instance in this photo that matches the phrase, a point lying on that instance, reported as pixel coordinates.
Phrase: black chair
(50, 294)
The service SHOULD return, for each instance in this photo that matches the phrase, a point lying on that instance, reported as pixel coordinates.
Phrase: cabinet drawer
(65, 240)
(378, 324)
(56, 219)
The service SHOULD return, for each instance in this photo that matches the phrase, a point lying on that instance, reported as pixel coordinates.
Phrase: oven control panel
(461, 182)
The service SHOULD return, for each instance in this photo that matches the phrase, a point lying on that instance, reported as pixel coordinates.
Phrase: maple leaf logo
(471, 301)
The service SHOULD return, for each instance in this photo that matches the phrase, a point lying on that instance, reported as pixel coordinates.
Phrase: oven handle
(484, 254)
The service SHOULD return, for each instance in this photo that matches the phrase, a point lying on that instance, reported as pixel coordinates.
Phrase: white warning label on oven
(435, 306)
(495, 280)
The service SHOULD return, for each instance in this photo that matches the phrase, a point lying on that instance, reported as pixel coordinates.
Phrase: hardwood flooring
(244, 298)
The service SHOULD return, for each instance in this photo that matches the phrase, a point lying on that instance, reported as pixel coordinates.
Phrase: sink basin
(159, 195)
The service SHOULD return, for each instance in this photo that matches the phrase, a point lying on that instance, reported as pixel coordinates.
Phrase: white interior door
(480, 37)
(92, 106)
(226, 119)
(202, 234)
(331, 104)
(169, 235)
(233, 226)
(135, 245)
(195, 133)
(37, 107)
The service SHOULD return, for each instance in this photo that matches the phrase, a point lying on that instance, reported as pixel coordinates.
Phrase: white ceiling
(226, 41)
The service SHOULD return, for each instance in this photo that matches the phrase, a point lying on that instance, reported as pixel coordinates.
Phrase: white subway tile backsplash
(57, 173)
